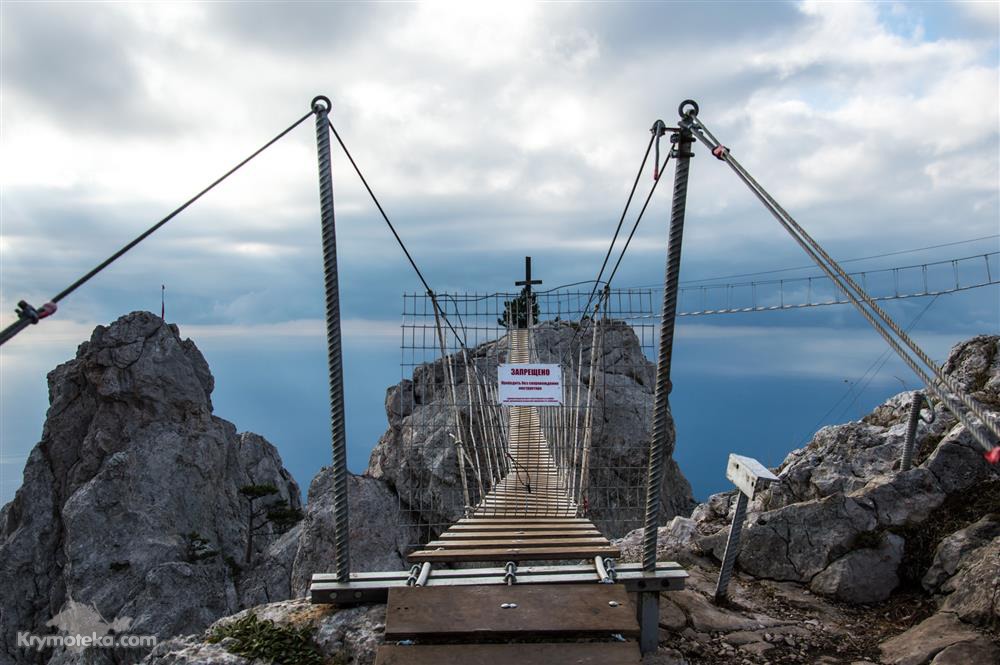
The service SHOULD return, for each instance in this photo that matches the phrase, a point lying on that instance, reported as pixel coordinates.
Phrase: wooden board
(555, 525)
(543, 611)
(452, 544)
(592, 653)
(454, 534)
(514, 554)
(524, 520)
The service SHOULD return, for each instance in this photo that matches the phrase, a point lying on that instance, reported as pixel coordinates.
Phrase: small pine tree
(515, 312)
(277, 514)
(197, 548)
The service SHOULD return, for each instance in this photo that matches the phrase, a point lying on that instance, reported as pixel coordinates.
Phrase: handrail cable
(395, 234)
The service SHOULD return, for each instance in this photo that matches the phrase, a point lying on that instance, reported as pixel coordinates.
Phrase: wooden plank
(507, 533)
(519, 521)
(518, 542)
(514, 554)
(542, 611)
(555, 526)
(592, 653)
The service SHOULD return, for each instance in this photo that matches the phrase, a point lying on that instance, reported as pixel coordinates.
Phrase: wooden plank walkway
(601, 613)
(566, 653)
(510, 612)
(528, 515)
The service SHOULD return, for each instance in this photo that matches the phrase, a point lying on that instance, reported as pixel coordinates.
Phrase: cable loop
(319, 100)
(692, 109)
(658, 129)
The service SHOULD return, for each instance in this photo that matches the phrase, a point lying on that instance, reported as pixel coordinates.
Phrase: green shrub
(263, 639)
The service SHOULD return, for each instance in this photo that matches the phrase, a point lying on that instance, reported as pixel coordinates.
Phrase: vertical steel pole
(342, 565)
(732, 547)
(911, 431)
(662, 424)
(649, 602)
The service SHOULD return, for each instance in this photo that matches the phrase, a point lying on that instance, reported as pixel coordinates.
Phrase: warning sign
(530, 385)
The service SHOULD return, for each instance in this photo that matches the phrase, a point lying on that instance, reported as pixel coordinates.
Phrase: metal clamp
(29, 313)
(609, 565)
(411, 580)
(510, 577)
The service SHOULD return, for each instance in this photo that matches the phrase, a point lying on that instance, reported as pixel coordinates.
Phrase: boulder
(974, 591)
(863, 575)
(953, 550)
(922, 643)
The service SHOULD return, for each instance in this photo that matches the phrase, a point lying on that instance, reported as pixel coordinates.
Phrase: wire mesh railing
(586, 454)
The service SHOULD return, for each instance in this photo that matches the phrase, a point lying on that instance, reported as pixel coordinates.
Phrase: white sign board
(523, 384)
(749, 475)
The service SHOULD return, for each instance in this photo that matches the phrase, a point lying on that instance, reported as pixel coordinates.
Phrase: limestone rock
(953, 549)
(378, 538)
(800, 540)
(980, 650)
(350, 635)
(863, 575)
(923, 642)
(131, 465)
(671, 540)
(975, 589)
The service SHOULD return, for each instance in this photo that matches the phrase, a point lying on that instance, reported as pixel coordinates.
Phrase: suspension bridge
(515, 561)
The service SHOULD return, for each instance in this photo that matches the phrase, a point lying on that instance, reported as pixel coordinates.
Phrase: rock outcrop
(914, 557)
(350, 635)
(131, 501)
(379, 540)
(843, 507)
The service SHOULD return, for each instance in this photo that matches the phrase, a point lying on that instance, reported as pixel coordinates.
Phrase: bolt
(613, 603)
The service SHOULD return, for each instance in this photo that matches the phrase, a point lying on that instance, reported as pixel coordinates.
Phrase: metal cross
(527, 281)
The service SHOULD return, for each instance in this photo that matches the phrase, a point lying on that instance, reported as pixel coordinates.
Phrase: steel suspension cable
(395, 234)
(28, 315)
(621, 220)
(638, 219)
(857, 296)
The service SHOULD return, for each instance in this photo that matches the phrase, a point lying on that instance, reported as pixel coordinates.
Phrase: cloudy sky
(489, 132)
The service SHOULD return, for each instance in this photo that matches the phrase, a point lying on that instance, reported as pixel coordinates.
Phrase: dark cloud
(297, 28)
(699, 28)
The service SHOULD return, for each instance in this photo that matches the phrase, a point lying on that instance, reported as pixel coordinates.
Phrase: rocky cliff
(131, 501)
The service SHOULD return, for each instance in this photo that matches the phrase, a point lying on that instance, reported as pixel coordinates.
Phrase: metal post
(649, 601)
(750, 477)
(342, 564)
(732, 547)
(911, 431)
